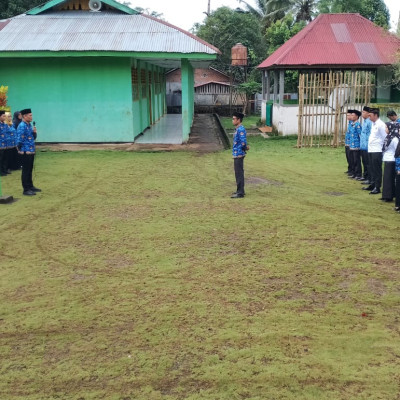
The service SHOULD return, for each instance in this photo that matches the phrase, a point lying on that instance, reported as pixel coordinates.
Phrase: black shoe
(352, 177)
(359, 178)
(367, 188)
(375, 191)
(35, 189)
(29, 193)
(387, 200)
(396, 209)
(237, 196)
(367, 182)
(3, 174)
(244, 194)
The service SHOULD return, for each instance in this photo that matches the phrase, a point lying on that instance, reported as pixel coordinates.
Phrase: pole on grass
(4, 199)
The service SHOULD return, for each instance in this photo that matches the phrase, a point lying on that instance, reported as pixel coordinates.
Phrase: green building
(94, 71)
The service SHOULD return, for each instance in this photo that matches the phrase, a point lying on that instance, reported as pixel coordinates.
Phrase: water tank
(239, 54)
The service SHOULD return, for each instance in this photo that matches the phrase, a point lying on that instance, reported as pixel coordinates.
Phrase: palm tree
(268, 11)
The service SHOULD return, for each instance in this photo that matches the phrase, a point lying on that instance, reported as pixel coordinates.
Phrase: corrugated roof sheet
(337, 39)
(97, 31)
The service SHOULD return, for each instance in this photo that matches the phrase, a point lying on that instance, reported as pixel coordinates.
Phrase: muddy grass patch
(256, 180)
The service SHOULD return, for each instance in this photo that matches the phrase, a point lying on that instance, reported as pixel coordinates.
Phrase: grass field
(135, 276)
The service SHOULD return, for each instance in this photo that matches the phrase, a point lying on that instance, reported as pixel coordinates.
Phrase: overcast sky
(185, 13)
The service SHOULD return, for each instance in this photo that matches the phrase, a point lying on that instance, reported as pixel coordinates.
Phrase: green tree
(281, 31)
(11, 8)
(225, 27)
(374, 10)
(270, 11)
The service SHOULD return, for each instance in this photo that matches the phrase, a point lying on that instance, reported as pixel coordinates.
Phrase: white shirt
(377, 136)
(388, 155)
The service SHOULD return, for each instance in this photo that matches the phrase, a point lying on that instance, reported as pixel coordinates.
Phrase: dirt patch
(334, 193)
(255, 180)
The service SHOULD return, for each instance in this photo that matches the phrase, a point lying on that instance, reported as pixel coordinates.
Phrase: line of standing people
(17, 147)
(370, 144)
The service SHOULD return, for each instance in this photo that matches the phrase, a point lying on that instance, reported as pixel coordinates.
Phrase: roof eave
(324, 66)
(46, 6)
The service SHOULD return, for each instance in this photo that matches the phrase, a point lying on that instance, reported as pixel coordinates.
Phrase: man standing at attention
(365, 132)
(239, 152)
(26, 136)
(375, 144)
(3, 144)
(354, 144)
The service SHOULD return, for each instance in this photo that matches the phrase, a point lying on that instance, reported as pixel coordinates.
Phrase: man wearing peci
(239, 152)
(26, 135)
(375, 144)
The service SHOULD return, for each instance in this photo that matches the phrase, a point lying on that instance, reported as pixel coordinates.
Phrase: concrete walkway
(165, 135)
(168, 130)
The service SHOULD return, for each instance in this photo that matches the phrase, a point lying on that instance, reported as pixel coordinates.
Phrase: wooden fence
(324, 98)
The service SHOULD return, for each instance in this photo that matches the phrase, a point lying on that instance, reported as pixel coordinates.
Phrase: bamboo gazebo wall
(324, 98)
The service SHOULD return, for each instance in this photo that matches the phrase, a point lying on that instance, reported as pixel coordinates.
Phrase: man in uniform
(3, 144)
(239, 152)
(354, 143)
(365, 132)
(26, 135)
(375, 144)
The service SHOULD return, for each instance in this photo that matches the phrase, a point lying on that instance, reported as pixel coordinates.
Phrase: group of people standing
(17, 147)
(370, 144)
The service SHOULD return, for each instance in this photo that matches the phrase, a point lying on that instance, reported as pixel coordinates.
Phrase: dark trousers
(4, 160)
(364, 159)
(355, 159)
(397, 190)
(239, 175)
(27, 168)
(348, 159)
(375, 163)
(389, 175)
(2, 151)
(14, 159)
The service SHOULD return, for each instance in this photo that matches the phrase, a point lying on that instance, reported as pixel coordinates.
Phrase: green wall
(85, 99)
(187, 80)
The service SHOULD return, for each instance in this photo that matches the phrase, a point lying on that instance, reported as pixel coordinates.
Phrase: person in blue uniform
(3, 144)
(365, 132)
(17, 118)
(26, 135)
(354, 130)
(239, 149)
(349, 171)
(12, 149)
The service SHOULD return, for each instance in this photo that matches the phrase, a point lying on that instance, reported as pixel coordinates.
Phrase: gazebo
(342, 59)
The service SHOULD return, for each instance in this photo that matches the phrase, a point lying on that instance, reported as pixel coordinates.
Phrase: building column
(276, 83)
(268, 85)
(187, 98)
(263, 84)
(281, 86)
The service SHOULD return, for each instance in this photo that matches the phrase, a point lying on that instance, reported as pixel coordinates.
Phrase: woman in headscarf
(16, 159)
(17, 119)
(388, 150)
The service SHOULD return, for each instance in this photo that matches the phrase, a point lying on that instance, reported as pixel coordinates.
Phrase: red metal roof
(336, 40)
